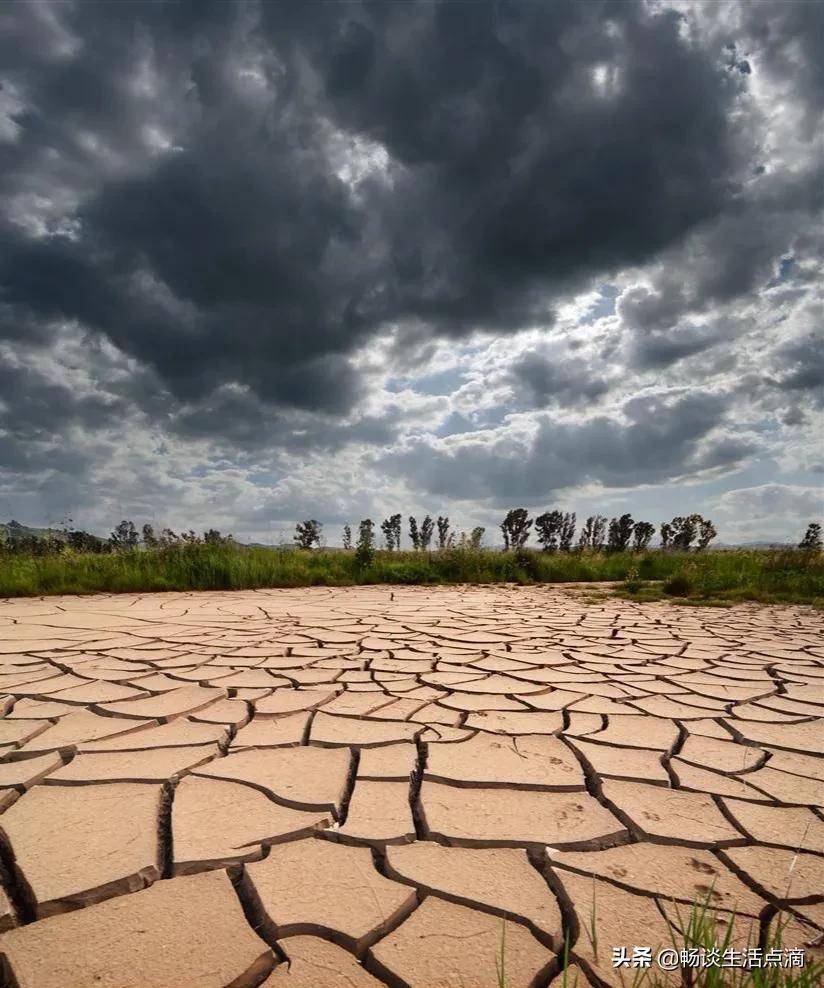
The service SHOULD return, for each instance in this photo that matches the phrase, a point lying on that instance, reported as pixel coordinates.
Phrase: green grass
(698, 929)
(718, 579)
(709, 578)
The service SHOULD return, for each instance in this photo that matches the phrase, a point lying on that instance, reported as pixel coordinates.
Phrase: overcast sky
(262, 262)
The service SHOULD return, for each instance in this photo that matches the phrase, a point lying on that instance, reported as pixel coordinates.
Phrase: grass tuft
(699, 931)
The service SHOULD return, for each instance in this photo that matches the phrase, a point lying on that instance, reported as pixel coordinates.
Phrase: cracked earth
(366, 787)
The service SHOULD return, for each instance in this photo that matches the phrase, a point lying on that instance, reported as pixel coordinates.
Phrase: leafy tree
(684, 531)
(427, 530)
(149, 537)
(706, 532)
(86, 542)
(168, 539)
(620, 533)
(190, 537)
(812, 538)
(347, 537)
(666, 535)
(213, 537)
(592, 534)
(642, 535)
(599, 531)
(395, 522)
(391, 528)
(124, 537)
(365, 549)
(414, 534)
(477, 537)
(515, 528)
(307, 533)
(567, 533)
(548, 526)
(443, 532)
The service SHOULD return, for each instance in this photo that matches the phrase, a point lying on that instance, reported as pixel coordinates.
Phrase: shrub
(678, 586)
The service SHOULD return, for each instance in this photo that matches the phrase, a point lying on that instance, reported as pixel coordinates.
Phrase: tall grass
(698, 931)
(738, 574)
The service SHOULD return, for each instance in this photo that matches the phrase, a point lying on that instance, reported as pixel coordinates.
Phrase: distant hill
(753, 545)
(14, 530)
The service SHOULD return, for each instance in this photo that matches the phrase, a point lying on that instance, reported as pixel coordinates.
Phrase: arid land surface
(366, 786)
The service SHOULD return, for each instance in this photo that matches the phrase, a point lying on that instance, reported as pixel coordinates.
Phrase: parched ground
(310, 788)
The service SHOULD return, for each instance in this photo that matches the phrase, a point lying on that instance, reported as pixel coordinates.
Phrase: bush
(678, 586)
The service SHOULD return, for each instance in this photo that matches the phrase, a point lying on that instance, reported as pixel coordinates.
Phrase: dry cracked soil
(366, 787)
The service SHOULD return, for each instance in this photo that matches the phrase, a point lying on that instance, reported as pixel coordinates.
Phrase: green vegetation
(696, 932)
(699, 930)
(734, 575)
(716, 579)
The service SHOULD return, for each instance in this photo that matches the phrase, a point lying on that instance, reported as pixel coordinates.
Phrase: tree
(347, 537)
(620, 533)
(548, 527)
(307, 533)
(86, 542)
(168, 539)
(666, 535)
(414, 534)
(391, 528)
(443, 532)
(706, 532)
(592, 534)
(642, 535)
(149, 537)
(477, 537)
(684, 530)
(567, 533)
(599, 531)
(395, 522)
(213, 537)
(427, 530)
(124, 537)
(812, 538)
(365, 549)
(515, 528)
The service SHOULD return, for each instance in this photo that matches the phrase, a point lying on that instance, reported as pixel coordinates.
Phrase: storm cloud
(243, 223)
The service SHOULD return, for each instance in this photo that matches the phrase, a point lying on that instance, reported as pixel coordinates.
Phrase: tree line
(554, 531)
(124, 538)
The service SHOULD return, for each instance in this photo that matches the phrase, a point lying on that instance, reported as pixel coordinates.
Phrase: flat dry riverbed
(196, 787)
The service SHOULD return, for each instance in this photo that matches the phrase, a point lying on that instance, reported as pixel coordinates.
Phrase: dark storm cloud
(36, 416)
(515, 170)
(244, 423)
(800, 367)
(544, 380)
(790, 39)
(657, 336)
(660, 441)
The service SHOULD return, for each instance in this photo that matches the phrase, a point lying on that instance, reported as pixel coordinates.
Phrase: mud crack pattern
(365, 787)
